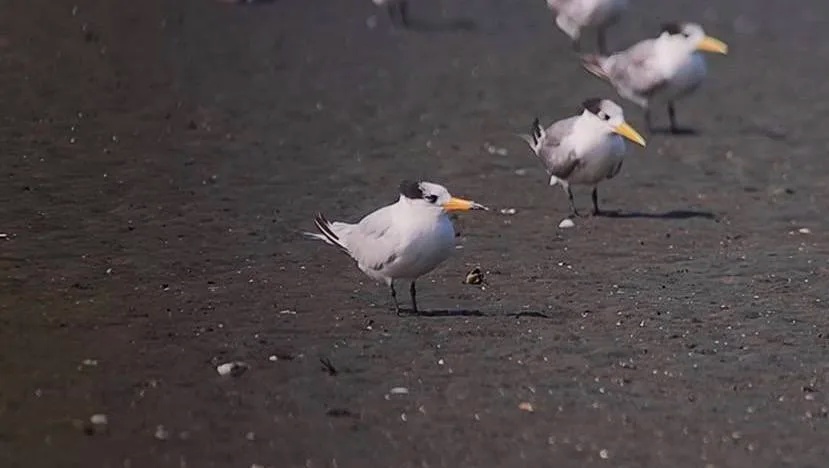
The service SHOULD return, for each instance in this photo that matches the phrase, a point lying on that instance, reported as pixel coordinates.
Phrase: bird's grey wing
(558, 159)
(373, 242)
(635, 70)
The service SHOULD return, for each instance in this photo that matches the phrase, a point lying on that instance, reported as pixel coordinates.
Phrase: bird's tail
(535, 137)
(595, 65)
(326, 234)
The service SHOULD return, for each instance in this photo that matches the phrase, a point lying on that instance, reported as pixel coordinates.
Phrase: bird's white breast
(427, 243)
(600, 158)
(684, 73)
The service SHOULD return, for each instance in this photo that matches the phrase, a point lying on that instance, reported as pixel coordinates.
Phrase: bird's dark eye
(431, 198)
(605, 116)
(686, 35)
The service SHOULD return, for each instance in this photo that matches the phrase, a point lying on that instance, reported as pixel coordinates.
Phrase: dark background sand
(159, 160)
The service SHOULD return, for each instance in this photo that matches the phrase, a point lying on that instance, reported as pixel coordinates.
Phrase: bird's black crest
(410, 189)
(594, 105)
(671, 28)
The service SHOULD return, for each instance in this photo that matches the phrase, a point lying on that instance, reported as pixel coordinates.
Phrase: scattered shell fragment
(287, 312)
(566, 223)
(399, 391)
(99, 419)
(508, 211)
(603, 454)
(235, 368)
(804, 231)
(526, 406)
(161, 433)
(476, 276)
(89, 362)
(273, 358)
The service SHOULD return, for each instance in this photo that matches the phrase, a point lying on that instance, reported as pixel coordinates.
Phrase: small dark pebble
(338, 413)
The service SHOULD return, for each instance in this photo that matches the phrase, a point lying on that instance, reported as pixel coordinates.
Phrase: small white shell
(234, 368)
(399, 391)
(99, 419)
(566, 223)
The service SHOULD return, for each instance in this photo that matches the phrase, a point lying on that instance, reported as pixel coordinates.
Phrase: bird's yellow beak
(709, 44)
(628, 132)
(459, 204)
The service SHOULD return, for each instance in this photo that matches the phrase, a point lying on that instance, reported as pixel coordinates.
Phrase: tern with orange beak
(402, 241)
(585, 149)
(663, 69)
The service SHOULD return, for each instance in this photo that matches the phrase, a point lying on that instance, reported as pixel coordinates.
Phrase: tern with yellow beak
(585, 149)
(663, 69)
(402, 241)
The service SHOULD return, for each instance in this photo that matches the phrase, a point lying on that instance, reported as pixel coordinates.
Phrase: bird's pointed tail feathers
(326, 234)
(535, 137)
(595, 65)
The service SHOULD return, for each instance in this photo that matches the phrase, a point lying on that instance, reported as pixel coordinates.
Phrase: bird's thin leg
(414, 297)
(574, 211)
(672, 116)
(403, 6)
(595, 196)
(648, 119)
(576, 44)
(394, 297)
(391, 7)
(602, 41)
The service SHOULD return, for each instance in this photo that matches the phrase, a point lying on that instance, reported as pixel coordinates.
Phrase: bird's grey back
(557, 159)
(634, 69)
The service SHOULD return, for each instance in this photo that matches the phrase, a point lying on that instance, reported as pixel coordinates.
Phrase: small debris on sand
(235, 368)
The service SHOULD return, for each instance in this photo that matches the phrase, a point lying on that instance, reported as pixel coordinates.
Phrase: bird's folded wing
(558, 160)
(373, 242)
(635, 69)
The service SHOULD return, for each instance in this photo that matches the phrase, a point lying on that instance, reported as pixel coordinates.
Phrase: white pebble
(509, 211)
(603, 454)
(234, 368)
(804, 231)
(399, 391)
(99, 419)
(440, 362)
(287, 312)
(566, 223)
(161, 433)
(273, 358)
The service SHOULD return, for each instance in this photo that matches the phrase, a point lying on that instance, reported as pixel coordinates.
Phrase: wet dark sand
(159, 163)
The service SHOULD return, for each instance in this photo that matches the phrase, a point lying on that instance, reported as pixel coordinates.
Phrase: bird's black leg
(595, 196)
(574, 211)
(672, 116)
(394, 298)
(403, 6)
(414, 297)
(602, 41)
(648, 120)
(391, 7)
(576, 45)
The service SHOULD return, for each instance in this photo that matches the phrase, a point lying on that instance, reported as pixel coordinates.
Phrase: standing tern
(663, 69)
(396, 8)
(584, 149)
(574, 15)
(401, 241)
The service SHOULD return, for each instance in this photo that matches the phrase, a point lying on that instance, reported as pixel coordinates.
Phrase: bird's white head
(692, 37)
(431, 196)
(605, 115)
